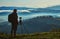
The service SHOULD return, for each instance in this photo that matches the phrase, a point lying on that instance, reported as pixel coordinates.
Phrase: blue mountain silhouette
(57, 7)
(53, 9)
(11, 8)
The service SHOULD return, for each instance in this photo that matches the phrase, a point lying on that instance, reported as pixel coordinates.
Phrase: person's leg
(12, 29)
(15, 29)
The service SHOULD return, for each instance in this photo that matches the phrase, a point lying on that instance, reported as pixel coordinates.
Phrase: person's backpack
(10, 18)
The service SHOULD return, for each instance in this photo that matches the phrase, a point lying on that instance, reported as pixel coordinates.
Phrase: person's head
(15, 10)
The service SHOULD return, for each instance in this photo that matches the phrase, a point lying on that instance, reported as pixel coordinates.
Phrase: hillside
(43, 27)
(37, 24)
(43, 35)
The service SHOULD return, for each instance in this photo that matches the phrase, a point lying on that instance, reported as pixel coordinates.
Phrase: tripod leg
(26, 29)
(21, 29)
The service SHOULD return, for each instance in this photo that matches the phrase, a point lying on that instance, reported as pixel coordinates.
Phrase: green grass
(43, 35)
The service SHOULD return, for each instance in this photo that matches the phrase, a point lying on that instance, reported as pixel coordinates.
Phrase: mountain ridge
(54, 9)
(56, 6)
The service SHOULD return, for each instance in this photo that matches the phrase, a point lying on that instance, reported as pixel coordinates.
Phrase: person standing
(13, 19)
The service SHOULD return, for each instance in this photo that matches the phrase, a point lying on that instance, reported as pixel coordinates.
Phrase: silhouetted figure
(13, 19)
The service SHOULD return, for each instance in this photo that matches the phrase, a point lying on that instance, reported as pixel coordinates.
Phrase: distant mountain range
(11, 8)
(54, 9)
(44, 10)
(57, 7)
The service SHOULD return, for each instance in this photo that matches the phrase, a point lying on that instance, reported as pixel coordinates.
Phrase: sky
(30, 3)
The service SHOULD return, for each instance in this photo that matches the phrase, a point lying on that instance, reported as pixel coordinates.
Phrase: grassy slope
(43, 35)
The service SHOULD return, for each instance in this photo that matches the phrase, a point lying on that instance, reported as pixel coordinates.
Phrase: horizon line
(28, 6)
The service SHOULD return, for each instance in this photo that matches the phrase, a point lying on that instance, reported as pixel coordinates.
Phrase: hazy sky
(30, 3)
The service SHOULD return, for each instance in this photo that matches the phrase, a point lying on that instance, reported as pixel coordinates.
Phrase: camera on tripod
(20, 20)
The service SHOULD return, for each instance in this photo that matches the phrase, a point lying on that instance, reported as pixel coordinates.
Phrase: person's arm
(17, 18)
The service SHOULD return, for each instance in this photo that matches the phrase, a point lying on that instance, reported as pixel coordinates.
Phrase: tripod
(21, 26)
